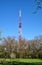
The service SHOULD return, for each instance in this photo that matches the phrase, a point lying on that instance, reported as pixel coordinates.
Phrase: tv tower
(20, 25)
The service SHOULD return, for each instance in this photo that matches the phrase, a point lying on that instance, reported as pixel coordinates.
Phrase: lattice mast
(20, 25)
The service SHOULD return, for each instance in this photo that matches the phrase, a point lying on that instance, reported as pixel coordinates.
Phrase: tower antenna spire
(20, 13)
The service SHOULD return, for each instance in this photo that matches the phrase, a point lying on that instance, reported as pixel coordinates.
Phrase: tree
(9, 44)
(37, 5)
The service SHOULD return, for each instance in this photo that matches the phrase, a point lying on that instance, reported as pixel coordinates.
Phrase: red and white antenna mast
(20, 25)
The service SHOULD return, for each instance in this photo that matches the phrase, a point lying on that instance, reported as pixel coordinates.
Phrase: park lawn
(23, 60)
(27, 60)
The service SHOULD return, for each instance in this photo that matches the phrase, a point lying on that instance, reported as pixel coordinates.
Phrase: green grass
(23, 61)
(28, 60)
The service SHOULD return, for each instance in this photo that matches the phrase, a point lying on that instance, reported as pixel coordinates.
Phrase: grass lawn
(23, 61)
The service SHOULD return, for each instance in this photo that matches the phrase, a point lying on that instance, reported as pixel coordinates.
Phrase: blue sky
(9, 18)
